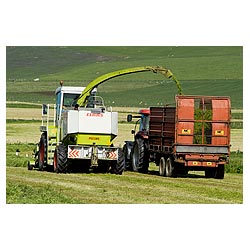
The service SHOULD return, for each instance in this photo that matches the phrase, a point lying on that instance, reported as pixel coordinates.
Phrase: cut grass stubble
(127, 189)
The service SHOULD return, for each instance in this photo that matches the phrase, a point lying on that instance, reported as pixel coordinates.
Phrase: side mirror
(45, 109)
(132, 132)
(129, 118)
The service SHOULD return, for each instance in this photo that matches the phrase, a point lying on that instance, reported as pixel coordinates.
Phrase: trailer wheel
(42, 154)
(170, 171)
(162, 167)
(210, 172)
(120, 164)
(140, 161)
(61, 159)
(219, 173)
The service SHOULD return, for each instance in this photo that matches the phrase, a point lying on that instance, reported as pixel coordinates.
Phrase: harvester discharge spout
(83, 98)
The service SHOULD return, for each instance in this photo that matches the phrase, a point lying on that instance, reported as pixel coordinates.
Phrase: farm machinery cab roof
(66, 98)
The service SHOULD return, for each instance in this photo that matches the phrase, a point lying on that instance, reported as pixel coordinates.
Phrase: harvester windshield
(69, 99)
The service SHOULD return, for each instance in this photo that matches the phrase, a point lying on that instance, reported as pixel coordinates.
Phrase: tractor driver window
(144, 126)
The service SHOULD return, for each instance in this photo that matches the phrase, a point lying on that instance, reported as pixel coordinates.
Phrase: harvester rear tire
(30, 167)
(139, 155)
(42, 154)
(61, 159)
(119, 167)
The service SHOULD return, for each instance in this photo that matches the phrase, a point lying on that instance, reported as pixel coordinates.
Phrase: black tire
(220, 171)
(162, 167)
(42, 154)
(128, 165)
(30, 167)
(119, 167)
(210, 172)
(170, 170)
(139, 157)
(61, 159)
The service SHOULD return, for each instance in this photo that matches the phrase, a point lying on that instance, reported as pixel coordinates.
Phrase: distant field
(201, 70)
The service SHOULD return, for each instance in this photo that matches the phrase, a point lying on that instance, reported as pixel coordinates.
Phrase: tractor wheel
(219, 173)
(61, 159)
(162, 167)
(126, 156)
(42, 154)
(170, 171)
(120, 164)
(140, 161)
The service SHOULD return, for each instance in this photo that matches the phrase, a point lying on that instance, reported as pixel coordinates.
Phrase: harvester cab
(66, 98)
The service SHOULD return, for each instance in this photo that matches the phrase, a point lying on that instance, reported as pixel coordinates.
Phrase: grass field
(25, 186)
(37, 187)
(201, 70)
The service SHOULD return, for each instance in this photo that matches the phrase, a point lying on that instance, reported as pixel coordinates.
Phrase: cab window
(69, 100)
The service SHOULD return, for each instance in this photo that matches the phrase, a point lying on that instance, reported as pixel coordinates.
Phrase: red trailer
(194, 135)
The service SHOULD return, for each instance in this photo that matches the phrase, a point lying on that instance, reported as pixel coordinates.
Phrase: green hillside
(201, 70)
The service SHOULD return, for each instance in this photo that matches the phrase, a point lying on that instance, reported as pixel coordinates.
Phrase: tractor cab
(143, 123)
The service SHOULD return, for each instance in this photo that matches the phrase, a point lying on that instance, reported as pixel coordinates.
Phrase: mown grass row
(37, 187)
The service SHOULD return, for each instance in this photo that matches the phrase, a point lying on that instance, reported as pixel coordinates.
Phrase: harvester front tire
(119, 167)
(140, 161)
(42, 154)
(61, 159)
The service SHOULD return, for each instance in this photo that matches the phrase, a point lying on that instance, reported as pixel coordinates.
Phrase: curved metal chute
(83, 98)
